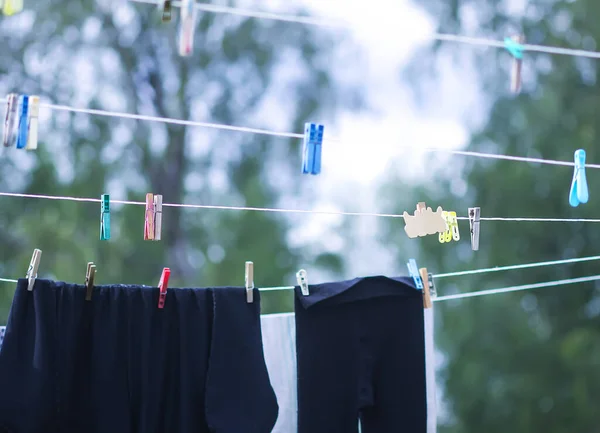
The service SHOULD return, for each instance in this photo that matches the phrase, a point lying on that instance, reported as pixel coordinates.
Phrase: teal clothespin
(105, 217)
(515, 47)
(579, 189)
(23, 123)
(413, 271)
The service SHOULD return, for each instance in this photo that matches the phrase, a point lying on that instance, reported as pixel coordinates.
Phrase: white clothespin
(89, 280)
(302, 279)
(249, 282)
(33, 268)
(157, 217)
(187, 27)
(34, 113)
(474, 215)
(10, 120)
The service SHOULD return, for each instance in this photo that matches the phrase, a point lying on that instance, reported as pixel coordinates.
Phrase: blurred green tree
(521, 362)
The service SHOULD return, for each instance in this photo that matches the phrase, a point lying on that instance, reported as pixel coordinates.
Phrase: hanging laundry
(2, 331)
(361, 353)
(119, 363)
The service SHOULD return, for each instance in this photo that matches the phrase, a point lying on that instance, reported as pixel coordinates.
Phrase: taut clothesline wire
(325, 22)
(280, 210)
(167, 120)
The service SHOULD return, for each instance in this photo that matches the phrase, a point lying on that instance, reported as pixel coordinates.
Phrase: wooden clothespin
(474, 215)
(104, 217)
(149, 218)
(187, 27)
(23, 129)
(166, 11)
(428, 285)
(514, 46)
(157, 217)
(302, 279)
(89, 280)
(249, 282)
(34, 114)
(10, 121)
(424, 222)
(163, 285)
(33, 268)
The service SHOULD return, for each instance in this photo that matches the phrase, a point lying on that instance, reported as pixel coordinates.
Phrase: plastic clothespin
(149, 218)
(33, 268)
(157, 217)
(579, 188)
(249, 276)
(302, 279)
(34, 114)
(187, 27)
(427, 282)
(514, 46)
(12, 7)
(163, 285)
(451, 232)
(424, 221)
(89, 280)
(312, 147)
(104, 217)
(413, 271)
(10, 121)
(23, 122)
(474, 216)
(166, 11)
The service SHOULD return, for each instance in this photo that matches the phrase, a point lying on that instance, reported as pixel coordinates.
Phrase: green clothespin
(515, 47)
(105, 217)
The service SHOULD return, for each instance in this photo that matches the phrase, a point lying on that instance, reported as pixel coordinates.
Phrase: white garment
(279, 345)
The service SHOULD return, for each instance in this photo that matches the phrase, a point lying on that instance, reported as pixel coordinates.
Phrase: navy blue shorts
(118, 364)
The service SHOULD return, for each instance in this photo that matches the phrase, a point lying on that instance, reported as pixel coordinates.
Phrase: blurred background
(521, 362)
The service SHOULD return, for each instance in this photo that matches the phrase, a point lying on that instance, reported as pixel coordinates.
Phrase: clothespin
(34, 114)
(166, 11)
(425, 277)
(157, 217)
(163, 284)
(149, 218)
(312, 147)
(23, 122)
(413, 271)
(249, 282)
(10, 121)
(302, 279)
(474, 215)
(451, 231)
(514, 46)
(89, 280)
(579, 188)
(33, 268)
(104, 217)
(424, 222)
(187, 27)
(12, 7)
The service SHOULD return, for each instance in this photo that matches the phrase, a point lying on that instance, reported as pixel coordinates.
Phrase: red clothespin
(149, 218)
(163, 284)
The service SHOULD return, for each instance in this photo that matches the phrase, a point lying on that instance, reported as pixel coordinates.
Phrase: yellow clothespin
(12, 7)
(32, 271)
(424, 222)
(89, 280)
(249, 282)
(34, 113)
(451, 232)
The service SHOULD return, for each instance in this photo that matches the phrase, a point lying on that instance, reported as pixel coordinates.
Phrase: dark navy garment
(361, 353)
(118, 364)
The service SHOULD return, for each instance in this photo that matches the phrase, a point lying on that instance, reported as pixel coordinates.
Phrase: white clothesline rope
(279, 210)
(327, 22)
(244, 129)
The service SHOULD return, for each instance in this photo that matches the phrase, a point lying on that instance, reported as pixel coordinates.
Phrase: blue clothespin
(23, 123)
(311, 150)
(515, 47)
(579, 189)
(105, 217)
(413, 271)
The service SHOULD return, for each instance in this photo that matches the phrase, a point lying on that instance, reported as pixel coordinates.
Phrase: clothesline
(244, 129)
(282, 210)
(328, 22)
